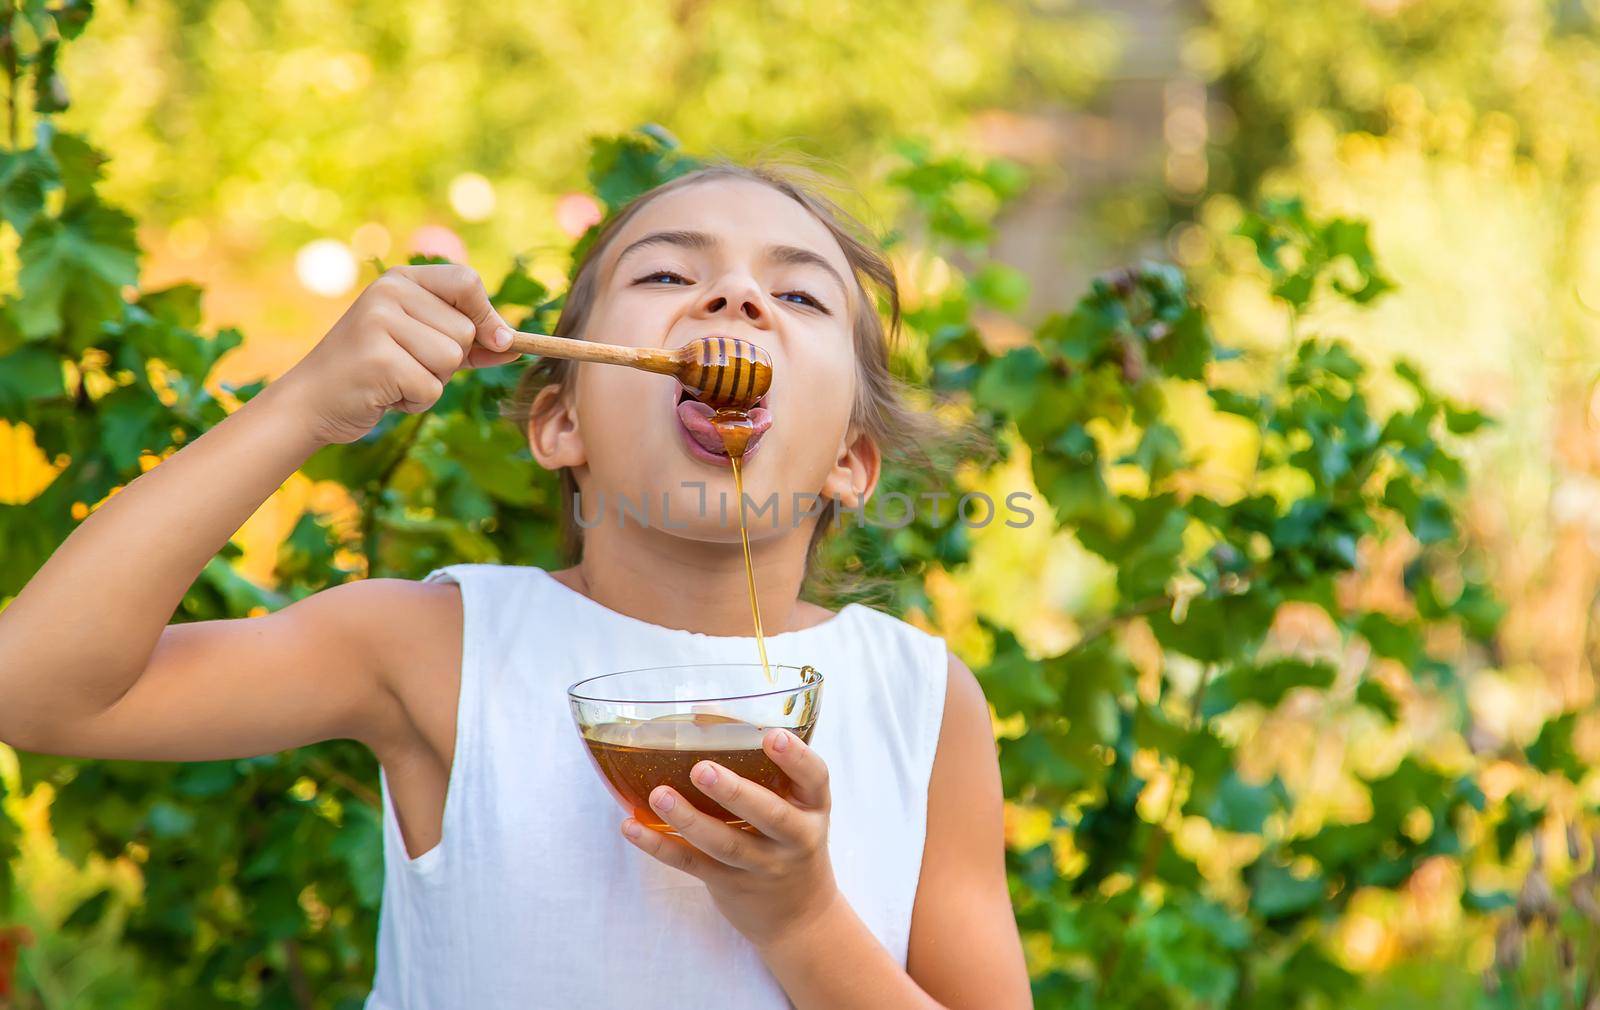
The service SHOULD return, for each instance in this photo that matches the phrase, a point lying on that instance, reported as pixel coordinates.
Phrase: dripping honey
(734, 427)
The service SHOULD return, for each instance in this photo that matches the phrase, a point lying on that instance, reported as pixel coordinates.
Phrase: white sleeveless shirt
(533, 899)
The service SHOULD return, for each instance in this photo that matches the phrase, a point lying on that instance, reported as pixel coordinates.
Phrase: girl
(511, 877)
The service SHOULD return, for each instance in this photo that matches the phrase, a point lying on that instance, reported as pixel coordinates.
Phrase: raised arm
(88, 663)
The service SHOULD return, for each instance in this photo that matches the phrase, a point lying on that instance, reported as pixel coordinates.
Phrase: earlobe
(553, 435)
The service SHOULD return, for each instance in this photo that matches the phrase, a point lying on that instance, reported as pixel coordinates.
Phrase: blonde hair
(903, 433)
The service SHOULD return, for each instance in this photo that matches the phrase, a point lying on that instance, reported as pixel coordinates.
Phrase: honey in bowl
(636, 757)
(642, 728)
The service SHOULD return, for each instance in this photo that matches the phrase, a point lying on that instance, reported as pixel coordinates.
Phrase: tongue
(696, 419)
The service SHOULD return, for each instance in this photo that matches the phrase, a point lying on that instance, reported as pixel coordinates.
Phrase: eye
(802, 298)
(671, 278)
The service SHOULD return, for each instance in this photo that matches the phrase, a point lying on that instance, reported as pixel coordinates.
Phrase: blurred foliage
(1274, 529)
(228, 90)
(1465, 132)
(1547, 952)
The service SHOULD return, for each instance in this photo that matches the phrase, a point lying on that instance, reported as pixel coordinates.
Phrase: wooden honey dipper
(725, 372)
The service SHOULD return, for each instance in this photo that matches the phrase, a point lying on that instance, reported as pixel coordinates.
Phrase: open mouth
(701, 437)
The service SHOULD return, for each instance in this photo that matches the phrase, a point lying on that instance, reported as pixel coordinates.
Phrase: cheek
(622, 414)
(822, 392)
(634, 317)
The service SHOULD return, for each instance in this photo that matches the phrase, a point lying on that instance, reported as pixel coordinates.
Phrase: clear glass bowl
(650, 726)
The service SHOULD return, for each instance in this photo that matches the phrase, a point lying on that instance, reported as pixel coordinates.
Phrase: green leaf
(24, 177)
(357, 463)
(1309, 970)
(1146, 552)
(1553, 752)
(31, 373)
(88, 912)
(1159, 453)
(71, 16)
(1395, 639)
(1464, 422)
(621, 168)
(1374, 696)
(493, 456)
(1179, 956)
(178, 305)
(1216, 630)
(307, 556)
(1278, 893)
(359, 846)
(205, 779)
(1241, 806)
(169, 821)
(1186, 347)
(73, 271)
(1004, 287)
(79, 164)
(520, 289)
(1009, 385)
(135, 422)
(1265, 684)
(1013, 682)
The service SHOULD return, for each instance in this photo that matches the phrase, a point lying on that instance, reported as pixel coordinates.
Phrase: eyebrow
(796, 256)
(789, 254)
(686, 239)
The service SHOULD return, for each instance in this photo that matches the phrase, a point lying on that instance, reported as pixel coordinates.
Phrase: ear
(855, 472)
(553, 435)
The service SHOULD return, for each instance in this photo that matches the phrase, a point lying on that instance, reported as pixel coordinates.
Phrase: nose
(735, 294)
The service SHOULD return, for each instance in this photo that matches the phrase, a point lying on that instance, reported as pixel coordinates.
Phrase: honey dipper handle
(651, 359)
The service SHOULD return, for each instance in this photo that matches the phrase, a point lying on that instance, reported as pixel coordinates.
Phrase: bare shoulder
(409, 633)
(964, 786)
(409, 625)
(966, 728)
(391, 616)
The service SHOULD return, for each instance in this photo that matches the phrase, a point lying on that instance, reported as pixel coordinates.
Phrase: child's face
(730, 258)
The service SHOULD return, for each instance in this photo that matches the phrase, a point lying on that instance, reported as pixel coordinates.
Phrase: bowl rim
(572, 688)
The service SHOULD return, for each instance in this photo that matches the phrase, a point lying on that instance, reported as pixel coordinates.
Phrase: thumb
(495, 333)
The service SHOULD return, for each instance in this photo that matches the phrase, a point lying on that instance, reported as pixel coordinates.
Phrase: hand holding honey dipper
(415, 326)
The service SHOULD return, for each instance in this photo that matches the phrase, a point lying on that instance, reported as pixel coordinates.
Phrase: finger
(433, 350)
(725, 844)
(461, 287)
(423, 305)
(416, 388)
(672, 851)
(766, 811)
(428, 308)
(482, 357)
(804, 768)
